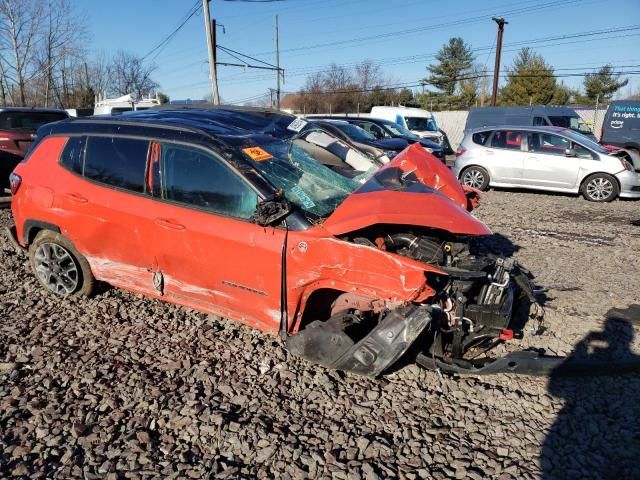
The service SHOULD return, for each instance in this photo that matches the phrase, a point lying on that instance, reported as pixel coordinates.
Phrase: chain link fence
(453, 122)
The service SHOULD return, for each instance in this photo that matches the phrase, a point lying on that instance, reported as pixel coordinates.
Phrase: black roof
(33, 109)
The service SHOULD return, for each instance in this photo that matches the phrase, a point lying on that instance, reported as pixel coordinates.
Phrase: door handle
(76, 197)
(168, 223)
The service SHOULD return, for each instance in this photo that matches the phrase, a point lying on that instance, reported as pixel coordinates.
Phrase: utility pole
(496, 69)
(211, 46)
(277, 65)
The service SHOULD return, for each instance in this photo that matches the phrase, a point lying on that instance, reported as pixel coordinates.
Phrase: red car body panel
(16, 141)
(224, 266)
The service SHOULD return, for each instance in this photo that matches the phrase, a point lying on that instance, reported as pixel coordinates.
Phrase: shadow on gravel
(597, 432)
(635, 223)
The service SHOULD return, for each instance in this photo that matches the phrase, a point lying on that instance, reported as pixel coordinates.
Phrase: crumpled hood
(413, 189)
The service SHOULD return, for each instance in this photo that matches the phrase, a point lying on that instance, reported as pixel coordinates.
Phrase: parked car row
(238, 212)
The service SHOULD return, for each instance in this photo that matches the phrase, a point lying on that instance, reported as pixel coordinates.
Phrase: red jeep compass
(188, 208)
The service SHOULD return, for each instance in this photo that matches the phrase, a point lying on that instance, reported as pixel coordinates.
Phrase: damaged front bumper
(328, 344)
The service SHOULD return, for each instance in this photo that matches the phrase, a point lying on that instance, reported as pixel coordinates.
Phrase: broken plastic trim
(530, 363)
(272, 210)
(381, 348)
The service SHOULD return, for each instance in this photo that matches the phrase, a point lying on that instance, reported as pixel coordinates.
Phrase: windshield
(354, 132)
(577, 137)
(399, 131)
(30, 120)
(314, 188)
(421, 124)
(574, 123)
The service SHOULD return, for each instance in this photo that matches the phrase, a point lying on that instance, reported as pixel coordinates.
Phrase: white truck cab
(419, 121)
(126, 103)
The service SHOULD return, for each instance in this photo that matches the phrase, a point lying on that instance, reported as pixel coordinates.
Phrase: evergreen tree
(530, 81)
(603, 84)
(455, 59)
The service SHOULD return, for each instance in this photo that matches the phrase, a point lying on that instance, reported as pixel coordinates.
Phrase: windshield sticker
(257, 154)
(304, 198)
(297, 125)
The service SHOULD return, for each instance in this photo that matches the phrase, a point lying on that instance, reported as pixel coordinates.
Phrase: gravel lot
(118, 386)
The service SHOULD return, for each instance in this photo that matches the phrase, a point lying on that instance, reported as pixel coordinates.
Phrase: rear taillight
(460, 151)
(14, 181)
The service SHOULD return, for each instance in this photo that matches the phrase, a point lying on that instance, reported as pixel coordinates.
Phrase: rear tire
(476, 177)
(600, 187)
(59, 267)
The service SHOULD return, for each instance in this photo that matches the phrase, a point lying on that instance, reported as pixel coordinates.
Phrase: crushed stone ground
(119, 386)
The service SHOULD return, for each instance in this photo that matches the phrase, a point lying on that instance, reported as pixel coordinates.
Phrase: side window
(194, 177)
(548, 144)
(539, 121)
(480, 138)
(120, 162)
(507, 139)
(73, 154)
(374, 129)
(581, 151)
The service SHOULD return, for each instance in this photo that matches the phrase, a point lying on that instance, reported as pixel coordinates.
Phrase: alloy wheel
(599, 189)
(473, 178)
(56, 268)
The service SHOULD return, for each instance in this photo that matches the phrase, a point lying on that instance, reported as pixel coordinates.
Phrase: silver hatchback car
(544, 158)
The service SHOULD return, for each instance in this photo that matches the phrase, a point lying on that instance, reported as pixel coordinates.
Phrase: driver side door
(210, 255)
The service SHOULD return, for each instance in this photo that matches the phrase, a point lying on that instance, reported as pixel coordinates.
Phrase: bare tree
(20, 22)
(129, 74)
(63, 34)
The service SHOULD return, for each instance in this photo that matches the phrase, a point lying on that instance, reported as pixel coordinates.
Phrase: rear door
(107, 208)
(546, 164)
(504, 156)
(211, 256)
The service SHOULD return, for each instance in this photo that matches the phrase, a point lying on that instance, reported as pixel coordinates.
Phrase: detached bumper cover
(532, 363)
(326, 344)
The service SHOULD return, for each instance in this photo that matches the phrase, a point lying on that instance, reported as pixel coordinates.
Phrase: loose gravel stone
(120, 386)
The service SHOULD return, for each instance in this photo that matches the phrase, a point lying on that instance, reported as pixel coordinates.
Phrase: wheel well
(599, 173)
(318, 305)
(33, 227)
(474, 165)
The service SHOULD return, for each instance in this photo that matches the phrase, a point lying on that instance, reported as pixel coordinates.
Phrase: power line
(158, 48)
(394, 34)
(421, 57)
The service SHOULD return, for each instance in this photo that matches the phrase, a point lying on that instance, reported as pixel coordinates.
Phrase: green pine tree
(603, 84)
(455, 59)
(530, 81)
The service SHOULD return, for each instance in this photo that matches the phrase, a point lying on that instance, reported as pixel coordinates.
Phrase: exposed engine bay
(482, 299)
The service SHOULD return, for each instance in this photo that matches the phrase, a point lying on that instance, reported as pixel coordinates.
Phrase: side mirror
(570, 152)
(272, 210)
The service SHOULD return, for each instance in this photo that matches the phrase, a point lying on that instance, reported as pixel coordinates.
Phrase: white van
(420, 122)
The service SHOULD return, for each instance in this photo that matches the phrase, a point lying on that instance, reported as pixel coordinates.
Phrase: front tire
(600, 187)
(58, 266)
(475, 177)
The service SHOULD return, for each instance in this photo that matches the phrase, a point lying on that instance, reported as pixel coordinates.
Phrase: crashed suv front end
(402, 268)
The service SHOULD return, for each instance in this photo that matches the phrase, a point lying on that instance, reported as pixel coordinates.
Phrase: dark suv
(17, 130)
(186, 207)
